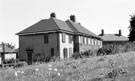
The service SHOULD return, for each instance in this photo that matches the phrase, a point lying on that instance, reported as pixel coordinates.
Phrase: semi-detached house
(54, 37)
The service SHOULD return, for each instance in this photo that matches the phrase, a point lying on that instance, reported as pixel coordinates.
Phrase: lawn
(120, 67)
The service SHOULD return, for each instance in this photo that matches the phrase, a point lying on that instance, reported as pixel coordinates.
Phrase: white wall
(64, 45)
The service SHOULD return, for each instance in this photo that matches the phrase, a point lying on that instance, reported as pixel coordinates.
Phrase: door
(52, 52)
(29, 56)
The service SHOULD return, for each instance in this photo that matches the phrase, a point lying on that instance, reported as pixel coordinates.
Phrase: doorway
(29, 56)
(52, 52)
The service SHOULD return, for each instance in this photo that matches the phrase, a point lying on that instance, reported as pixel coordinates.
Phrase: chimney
(120, 33)
(53, 15)
(72, 18)
(102, 32)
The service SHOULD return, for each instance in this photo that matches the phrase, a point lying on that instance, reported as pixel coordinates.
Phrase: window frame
(70, 38)
(46, 38)
(63, 38)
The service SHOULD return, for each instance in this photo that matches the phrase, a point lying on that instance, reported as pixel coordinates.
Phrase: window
(65, 52)
(63, 38)
(52, 52)
(98, 42)
(45, 38)
(89, 40)
(83, 39)
(92, 41)
(95, 42)
(70, 52)
(101, 43)
(70, 38)
(86, 40)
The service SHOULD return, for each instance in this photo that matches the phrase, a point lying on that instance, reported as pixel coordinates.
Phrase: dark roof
(78, 28)
(5, 48)
(51, 24)
(113, 37)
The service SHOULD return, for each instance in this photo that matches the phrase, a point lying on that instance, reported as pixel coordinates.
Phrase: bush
(37, 57)
(55, 59)
(7, 61)
(76, 55)
(88, 53)
(116, 48)
(109, 49)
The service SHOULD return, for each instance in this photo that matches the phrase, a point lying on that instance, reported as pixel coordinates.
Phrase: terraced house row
(54, 37)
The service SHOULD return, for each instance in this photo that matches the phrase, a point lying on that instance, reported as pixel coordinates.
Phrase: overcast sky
(110, 15)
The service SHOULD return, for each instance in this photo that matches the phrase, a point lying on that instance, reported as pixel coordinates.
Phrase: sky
(110, 15)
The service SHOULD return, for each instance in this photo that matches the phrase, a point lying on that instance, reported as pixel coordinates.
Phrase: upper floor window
(95, 42)
(70, 38)
(89, 41)
(83, 40)
(45, 38)
(63, 38)
(98, 42)
(86, 40)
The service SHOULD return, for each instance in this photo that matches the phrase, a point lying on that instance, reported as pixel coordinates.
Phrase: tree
(132, 28)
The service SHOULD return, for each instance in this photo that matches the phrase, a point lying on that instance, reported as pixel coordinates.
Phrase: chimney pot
(120, 33)
(102, 32)
(53, 15)
(72, 17)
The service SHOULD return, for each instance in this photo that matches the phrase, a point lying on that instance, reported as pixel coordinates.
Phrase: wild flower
(55, 69)
(16, 74)
(37, 69)
(58, 74)
(49, 68)
(18, 71)
(49, 65)
(22, 71)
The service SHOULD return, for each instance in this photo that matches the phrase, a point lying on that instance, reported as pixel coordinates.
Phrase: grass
(120, 67)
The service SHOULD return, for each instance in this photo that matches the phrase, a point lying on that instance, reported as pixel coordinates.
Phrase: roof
(5, 48)
(113, 37)
(78, 28)
(51, 24)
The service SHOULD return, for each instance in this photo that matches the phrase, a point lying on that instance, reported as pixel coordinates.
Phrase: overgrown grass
(120, 67)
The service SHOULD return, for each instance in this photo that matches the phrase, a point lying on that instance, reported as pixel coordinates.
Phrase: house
(113, 38)
(54, 37)
(6, 53)
(83, 38)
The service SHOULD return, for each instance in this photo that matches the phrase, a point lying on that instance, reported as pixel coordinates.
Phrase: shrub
(101, 59)
(76, 55)
(108, 49)
(55, 59)
(88, 53)
(7, 61)
(38, 57)
(116, 48)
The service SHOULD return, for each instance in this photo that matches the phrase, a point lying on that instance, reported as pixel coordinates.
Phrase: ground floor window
(70, 52)
(65, 52)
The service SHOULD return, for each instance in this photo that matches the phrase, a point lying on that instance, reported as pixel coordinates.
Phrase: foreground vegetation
(120, 67)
